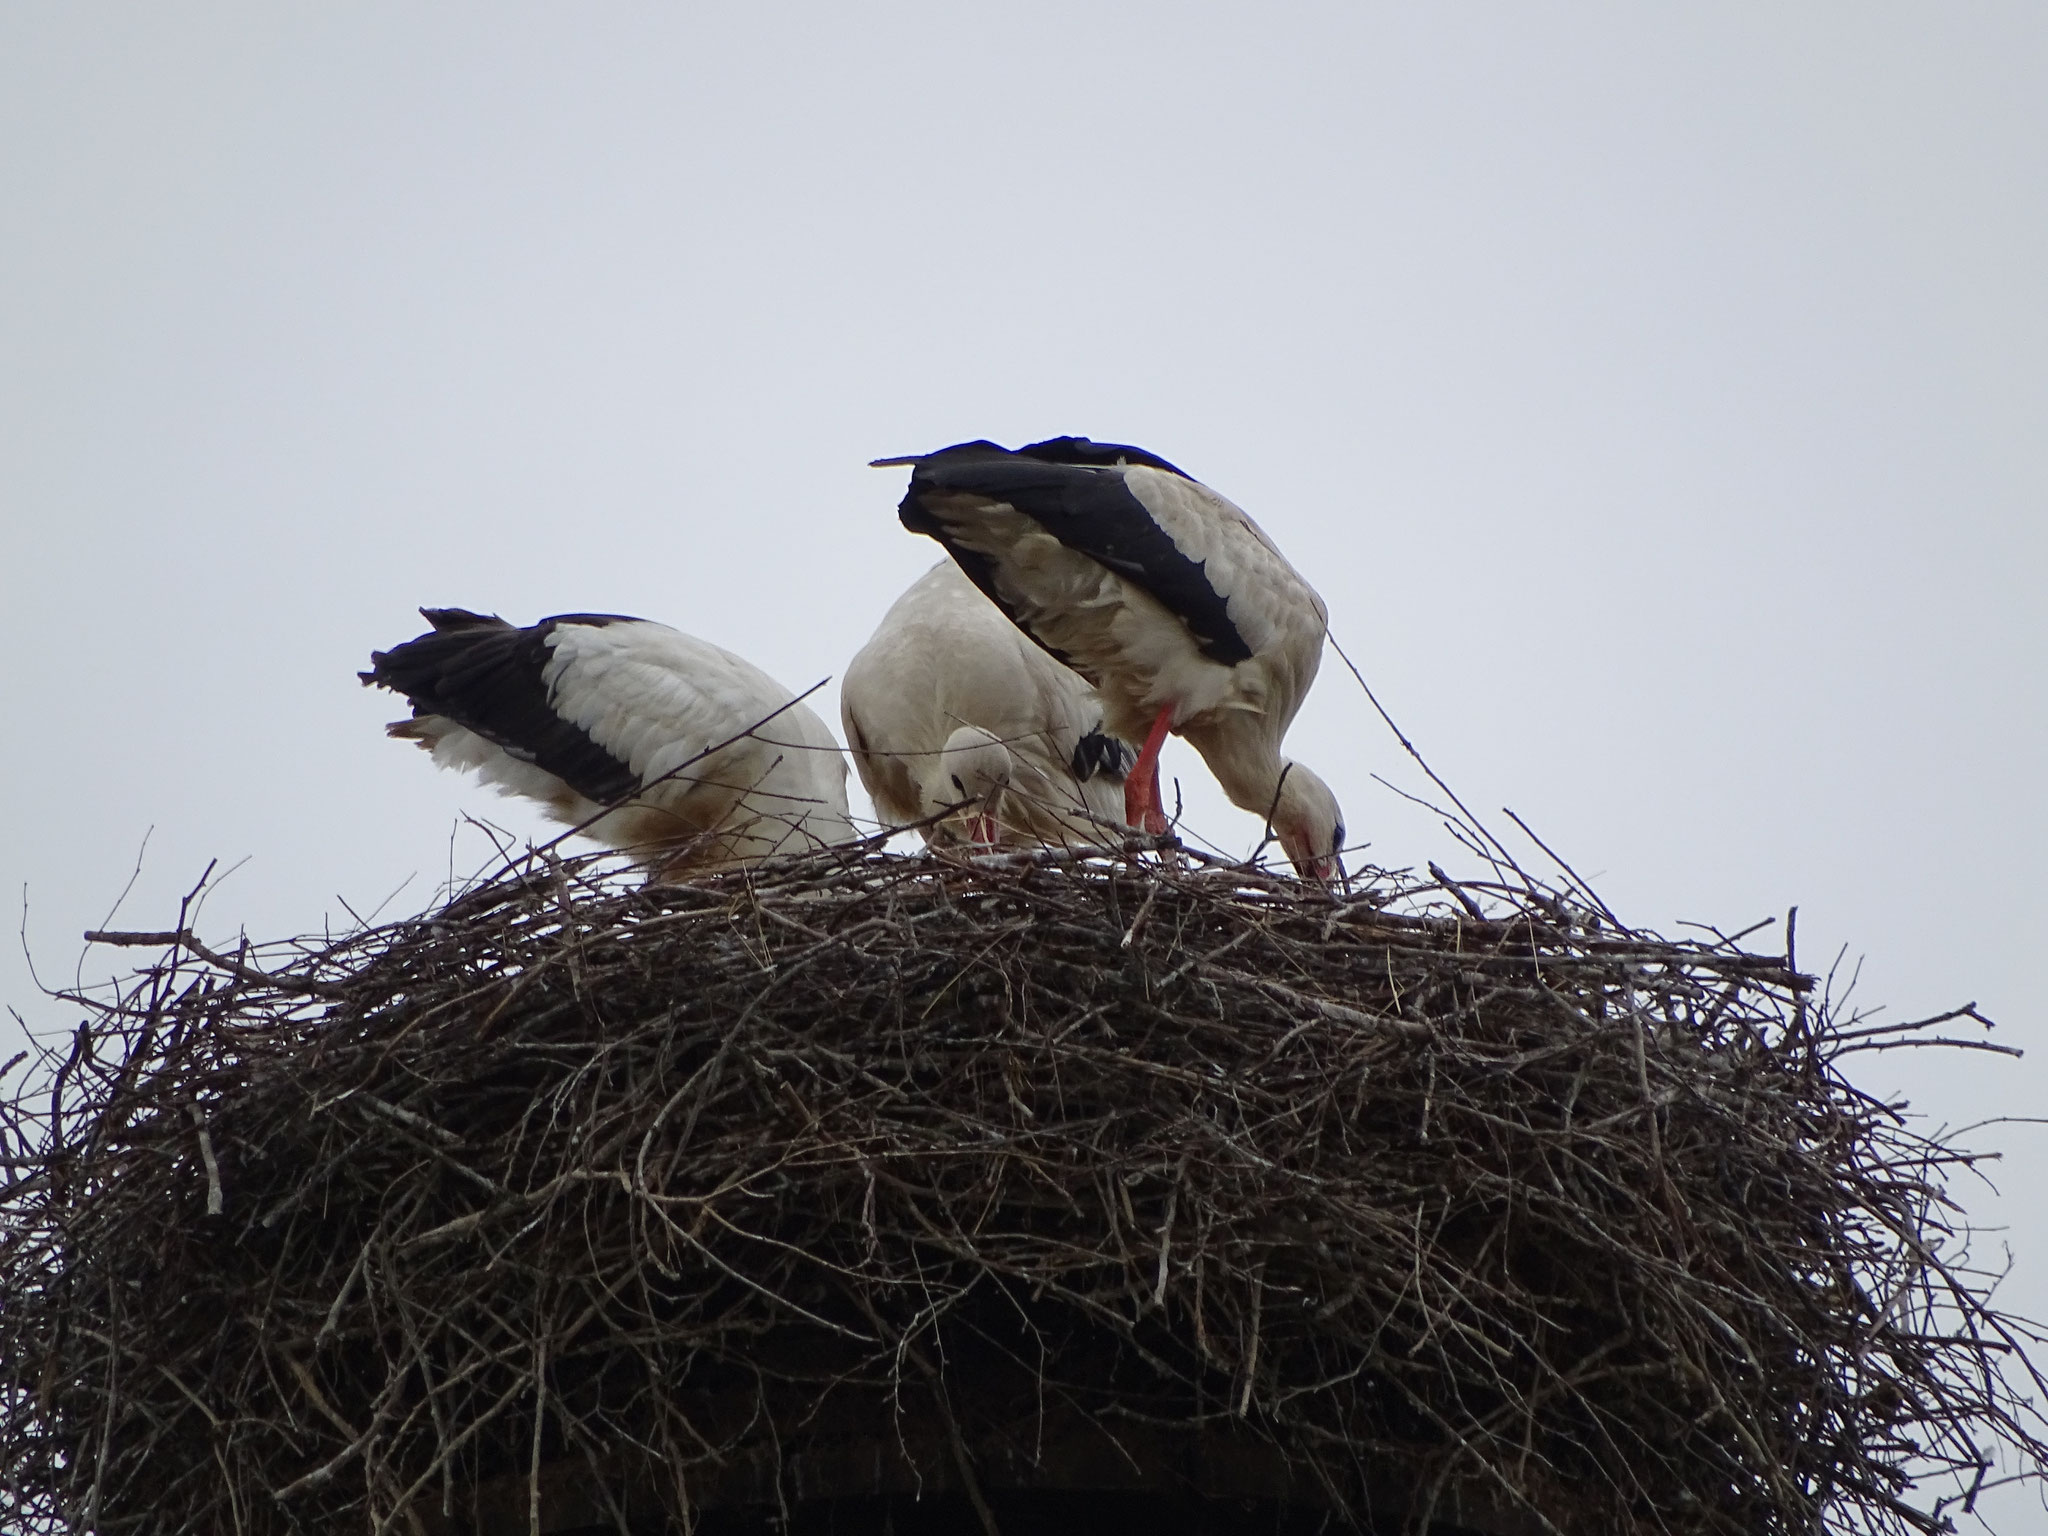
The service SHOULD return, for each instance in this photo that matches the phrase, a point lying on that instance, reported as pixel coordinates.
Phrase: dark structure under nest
(872, 1193)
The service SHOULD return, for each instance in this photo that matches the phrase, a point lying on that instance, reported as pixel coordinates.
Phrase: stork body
(949, 703)
(703, 759)
(1169, 599)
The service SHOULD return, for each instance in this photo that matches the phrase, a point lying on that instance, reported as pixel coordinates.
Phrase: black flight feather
(1082, 450)
(1075, 490)
(1100, 752)
(487, 675)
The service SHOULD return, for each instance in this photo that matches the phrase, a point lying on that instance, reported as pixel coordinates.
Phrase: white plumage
(703, 759)
(948, 705)
(1168, 598)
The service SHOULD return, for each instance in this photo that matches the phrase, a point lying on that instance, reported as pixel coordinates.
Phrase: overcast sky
(1660, 401)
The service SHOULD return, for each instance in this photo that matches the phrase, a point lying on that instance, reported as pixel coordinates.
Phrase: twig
(216, 1202)
(180, 938)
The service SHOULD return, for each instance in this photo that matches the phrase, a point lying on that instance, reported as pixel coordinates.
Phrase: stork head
(1309, 824)
(973, 767)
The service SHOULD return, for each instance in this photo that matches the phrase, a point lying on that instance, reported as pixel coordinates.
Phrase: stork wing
(655, 698)
(1089, 509)
(492, 679)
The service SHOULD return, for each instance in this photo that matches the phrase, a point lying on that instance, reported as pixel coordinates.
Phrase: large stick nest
(573, 1202)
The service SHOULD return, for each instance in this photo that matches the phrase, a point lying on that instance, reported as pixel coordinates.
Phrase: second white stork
(1169, 599)
(949, 706)
(649, 739)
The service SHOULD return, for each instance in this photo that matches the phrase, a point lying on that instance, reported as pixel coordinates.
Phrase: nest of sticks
(574, 1203)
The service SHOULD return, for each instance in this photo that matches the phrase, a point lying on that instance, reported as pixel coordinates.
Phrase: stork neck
(1259, 791)
(1247, 765)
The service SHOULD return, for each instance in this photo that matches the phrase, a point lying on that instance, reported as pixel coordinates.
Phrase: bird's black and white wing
(1114, 561)
(581, 712)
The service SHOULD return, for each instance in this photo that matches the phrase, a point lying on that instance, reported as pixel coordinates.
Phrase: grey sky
(1659, 399)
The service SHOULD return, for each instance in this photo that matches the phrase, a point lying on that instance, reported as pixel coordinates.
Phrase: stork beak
(1323, 872)
(1327, 870)
(908, 458)
(982, 825)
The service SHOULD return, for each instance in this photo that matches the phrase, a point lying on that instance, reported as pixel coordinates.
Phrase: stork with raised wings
(1158, 591)
(646, 738)
(958, 722)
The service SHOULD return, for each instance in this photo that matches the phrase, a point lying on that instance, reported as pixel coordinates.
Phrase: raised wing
(1089, 508)
(492, 678)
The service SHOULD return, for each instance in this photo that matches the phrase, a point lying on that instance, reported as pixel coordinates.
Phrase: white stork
(704, 760)
(1165, 596)
(949, 705)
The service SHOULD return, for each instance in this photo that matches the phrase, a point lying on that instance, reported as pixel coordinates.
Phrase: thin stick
(216, 1201)
(1409, 747)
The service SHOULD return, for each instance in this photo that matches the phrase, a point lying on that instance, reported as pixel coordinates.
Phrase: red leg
(1141, 787)
(1135, 796)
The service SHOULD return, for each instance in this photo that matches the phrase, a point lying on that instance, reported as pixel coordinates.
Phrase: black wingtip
(443, 621)
(979, 448)
(1086, 451)
(379, 675)
(446, 619)
(1080, 451)
(1101, 753)
(490, 677)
